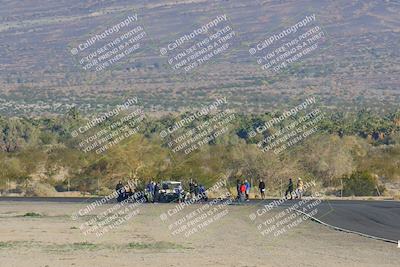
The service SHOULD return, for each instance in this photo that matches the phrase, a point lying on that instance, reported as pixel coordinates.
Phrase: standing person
(196, 189)
(290, 189)
(120, 189)
(203, 193)
(149, 191)
(191, 189)
(299, 190)
(238, 184)
(151, 187)
(261, 187)
(156, 190)
(153, 192)
(247, 184)
(128, 191)
(178, 191)
(242, 192)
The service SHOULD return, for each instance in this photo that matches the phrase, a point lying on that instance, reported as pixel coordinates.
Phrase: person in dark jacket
(120, 189)
(261, 187)
(290, 189)
(149, 192)
(129, 191)
(191, 190)
(196, 189)
(238, 184)
(156, 192)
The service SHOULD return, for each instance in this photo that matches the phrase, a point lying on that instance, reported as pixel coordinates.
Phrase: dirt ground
(44, 234)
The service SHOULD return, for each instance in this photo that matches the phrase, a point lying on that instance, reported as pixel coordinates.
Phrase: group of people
(124, 191)
(197, 191)
(243, 189)
(298, 193)
(152, 191)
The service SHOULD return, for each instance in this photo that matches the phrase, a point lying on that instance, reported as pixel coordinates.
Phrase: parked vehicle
(171, 191)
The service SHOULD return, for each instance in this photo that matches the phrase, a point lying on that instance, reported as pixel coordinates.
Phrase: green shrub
(32, 214)
(360, 183)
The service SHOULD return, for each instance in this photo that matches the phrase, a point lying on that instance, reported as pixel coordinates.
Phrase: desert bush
(61, 187)
(361, 183)
(40, 190)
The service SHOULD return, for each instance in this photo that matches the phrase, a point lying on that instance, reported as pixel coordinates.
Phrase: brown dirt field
(54, 239)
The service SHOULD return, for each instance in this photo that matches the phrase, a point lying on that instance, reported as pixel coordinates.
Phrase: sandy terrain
(43, 234)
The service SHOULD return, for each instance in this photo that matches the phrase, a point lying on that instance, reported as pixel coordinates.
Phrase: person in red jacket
(242, 191)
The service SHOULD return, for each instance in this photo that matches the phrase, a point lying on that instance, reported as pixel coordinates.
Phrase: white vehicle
(171, 191)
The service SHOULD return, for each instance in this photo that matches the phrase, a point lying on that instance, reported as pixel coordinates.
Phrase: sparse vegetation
(344, 143)
(72, 247)
(156, 245)
(32, 214)
(6, 244)
(361, 184)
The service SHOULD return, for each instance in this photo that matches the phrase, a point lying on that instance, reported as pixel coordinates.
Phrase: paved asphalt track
(376, 218)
